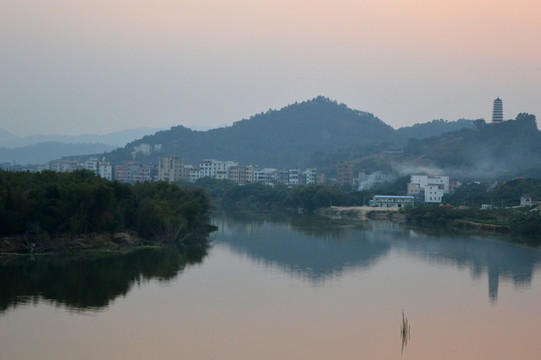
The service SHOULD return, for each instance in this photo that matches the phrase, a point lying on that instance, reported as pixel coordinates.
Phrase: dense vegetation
(482, 152)
(502, 195)
(504, 214)
(486, 152)
(282, 138)
(49, 205)
(515, 221)
(257, 196)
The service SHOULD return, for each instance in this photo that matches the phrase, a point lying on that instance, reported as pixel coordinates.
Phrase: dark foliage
(277, 138)
(49, 204)
(484, 152)
(503, 195)
(92, 281)
(257, 196)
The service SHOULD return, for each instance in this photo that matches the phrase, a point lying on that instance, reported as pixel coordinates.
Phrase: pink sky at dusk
(100, 66)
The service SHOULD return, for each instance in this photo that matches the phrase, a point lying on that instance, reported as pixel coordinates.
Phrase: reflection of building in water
(493, 283)
(502, 261)
(321, 250)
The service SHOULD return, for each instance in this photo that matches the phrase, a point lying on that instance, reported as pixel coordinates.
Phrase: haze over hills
(44, 152)
(39, 149)
(281, 138)
(486, 152)
(116, 139)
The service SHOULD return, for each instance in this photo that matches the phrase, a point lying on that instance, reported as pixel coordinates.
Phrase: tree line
(51, 204)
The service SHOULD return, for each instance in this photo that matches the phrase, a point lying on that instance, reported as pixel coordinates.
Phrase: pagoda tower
(497, 111)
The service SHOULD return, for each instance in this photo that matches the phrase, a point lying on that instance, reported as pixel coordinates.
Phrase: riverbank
(119, 241)
(525, 226)
(361, 213)
(24, 244)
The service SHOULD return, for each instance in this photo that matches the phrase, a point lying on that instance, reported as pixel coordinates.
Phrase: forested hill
(511, 148)
(282, 138)
(279, 138)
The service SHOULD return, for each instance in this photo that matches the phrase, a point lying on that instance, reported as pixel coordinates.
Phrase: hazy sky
(98, 66)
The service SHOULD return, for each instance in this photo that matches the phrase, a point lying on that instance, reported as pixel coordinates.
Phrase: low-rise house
(388, 201)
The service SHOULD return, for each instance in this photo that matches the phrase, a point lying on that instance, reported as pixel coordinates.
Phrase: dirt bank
(361, 213)
(39, 244)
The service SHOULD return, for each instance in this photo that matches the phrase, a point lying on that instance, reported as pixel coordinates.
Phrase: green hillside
(288, 137)
(490, 150)
(277, 138)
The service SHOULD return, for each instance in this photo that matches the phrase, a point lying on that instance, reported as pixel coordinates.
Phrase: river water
(280, 288)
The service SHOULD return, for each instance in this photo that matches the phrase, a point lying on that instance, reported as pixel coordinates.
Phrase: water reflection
(502, 261)
(91, 281)
(310, 248)
(318, 249)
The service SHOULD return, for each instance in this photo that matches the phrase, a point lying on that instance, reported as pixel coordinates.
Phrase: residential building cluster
(173, 169)
(425, 188)
(431, 188)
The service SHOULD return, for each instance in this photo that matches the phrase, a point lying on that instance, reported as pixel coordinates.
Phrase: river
(280, 288)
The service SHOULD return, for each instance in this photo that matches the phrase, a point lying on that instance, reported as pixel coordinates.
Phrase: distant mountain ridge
(42, 153)
(115, 139)
(40, 149)
(278, 138)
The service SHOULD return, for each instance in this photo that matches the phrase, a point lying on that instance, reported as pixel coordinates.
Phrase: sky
(98, 66)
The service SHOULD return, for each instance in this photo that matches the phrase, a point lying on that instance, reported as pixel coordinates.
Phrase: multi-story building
(91, 164)
(282, 176)
(415, 189)
(105, 170)
(140, 172)
(345, 173)
(434, 193)
(433, 187)
(122, 173)
(294, 176)
(215, 168)
(171, 168)
(240, 175)
(266, 175)
(424, 180)
(311, 176)
(194, 174)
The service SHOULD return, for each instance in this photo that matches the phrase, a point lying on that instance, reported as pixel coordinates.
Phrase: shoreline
(125, 241)
(361, 213)
(464, 225)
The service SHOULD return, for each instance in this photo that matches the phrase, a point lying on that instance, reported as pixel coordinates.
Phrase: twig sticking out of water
(404, 331)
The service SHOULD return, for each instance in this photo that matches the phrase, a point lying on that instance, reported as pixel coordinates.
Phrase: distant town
(422, 188)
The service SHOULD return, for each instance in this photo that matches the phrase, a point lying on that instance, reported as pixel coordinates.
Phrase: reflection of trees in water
(316, 248)
(91, 281)
(311, 225)
(319, 247)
